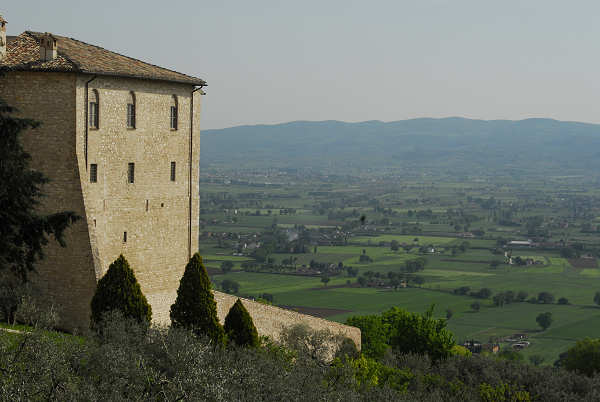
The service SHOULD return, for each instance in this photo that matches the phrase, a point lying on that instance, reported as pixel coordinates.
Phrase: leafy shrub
(364, 259)
(131, 362)
(239, 326)
(195, 307)
(463, 379)
(545, 298)
(316, 345)
(536, 360)
(522, 296)
(32, 313)
(230, 286)
(370, 373)
(267, 296)
(404, 332)
(483, 293)
(12, 289)
(461, 291)
(597, 298)
(584, 357)
(509, 354)
(544, 320)
(374, 334)
(410, 332)
(119, 290)
(502, 392)
(458, 350)
(226, 266)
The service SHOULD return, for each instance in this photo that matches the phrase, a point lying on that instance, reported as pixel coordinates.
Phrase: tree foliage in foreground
(195, 307)
(119, 290)
(239, 326)
(23, 231)
(132, 362)
(584, 357)
(404, 332)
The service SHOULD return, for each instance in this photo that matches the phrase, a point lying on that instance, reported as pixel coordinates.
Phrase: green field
(420, 240)
(443, 213)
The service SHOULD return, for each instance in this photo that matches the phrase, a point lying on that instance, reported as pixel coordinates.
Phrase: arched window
(131, 110)
(94, 109)
(174, 112)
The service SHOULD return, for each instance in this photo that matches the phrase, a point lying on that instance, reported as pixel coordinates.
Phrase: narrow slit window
(173, 171)
(93, 114)
(124, 237)
(93, 109)
(131, 115)
(173, 117)
(131, 172)
(93, 173)
(131, 111)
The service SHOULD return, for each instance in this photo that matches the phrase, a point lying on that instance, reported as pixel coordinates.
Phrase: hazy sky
(276, 61)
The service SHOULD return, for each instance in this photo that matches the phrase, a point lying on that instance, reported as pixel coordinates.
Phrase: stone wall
(154, 211)
(66, 276)
(270, 320)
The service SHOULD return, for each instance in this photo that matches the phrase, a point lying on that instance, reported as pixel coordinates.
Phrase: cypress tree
(239, 326)
(119, 290)
(195, 307)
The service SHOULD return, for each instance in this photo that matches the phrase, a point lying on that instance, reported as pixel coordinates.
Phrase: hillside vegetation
(455, 145)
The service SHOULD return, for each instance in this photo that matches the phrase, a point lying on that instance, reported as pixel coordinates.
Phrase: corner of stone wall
(271, 320)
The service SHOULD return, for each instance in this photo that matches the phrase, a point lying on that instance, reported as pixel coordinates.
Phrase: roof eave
(192, 81)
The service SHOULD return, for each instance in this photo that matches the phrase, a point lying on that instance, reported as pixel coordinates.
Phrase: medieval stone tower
(120, 143)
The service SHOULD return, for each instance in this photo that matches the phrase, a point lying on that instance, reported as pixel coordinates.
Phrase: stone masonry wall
(154, 211)
(66, 276)
(270, 320)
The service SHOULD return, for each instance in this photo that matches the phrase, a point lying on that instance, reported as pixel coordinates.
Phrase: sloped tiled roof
(23, 54)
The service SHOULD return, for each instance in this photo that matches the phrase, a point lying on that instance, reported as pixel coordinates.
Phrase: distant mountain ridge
(453, 145)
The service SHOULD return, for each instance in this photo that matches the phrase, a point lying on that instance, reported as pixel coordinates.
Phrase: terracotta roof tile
(23, 54)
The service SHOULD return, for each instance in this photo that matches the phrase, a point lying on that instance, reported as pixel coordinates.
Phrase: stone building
(120, 142)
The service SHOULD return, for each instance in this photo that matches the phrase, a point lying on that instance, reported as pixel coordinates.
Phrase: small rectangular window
(124, 237)
(130, 115)
(93, 173)
(174, 117)
(93, 115)
(173, 170)
(131, 172)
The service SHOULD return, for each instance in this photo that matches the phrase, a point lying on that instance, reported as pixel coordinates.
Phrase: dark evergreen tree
(239, 326)
(195, 307)
(23, 231)
(119, 290)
